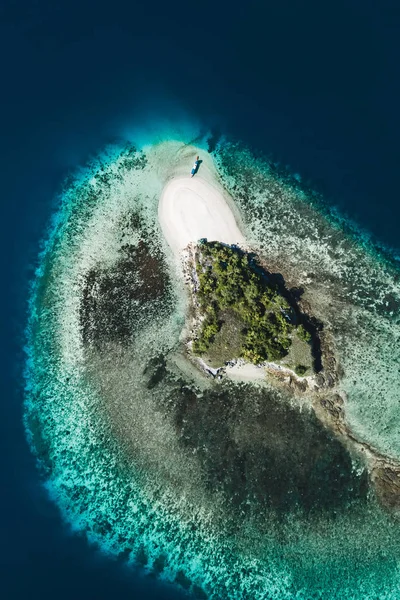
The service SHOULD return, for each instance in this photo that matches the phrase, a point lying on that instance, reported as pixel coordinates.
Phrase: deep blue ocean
(313, 84)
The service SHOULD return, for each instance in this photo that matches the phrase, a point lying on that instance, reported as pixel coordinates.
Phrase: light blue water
(131, 451)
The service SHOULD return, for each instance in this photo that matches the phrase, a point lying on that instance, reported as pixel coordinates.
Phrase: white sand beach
(195, 208)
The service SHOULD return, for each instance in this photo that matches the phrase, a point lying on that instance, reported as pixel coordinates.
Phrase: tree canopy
(231, 282)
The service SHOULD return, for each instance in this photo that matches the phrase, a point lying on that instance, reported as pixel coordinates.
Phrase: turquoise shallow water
(351, 284)
(261, 503)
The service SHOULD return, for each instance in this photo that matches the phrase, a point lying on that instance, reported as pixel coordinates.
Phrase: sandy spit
(194, 208)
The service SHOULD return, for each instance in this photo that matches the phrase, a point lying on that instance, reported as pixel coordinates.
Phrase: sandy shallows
(191, 209)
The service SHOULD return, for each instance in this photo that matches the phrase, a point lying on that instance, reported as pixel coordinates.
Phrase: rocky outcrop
(386, 480)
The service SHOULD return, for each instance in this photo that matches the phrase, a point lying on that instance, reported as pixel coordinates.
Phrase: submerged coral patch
(353, 287)
(229, 490)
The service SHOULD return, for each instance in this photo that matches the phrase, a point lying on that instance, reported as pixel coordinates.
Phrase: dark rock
(387, 485)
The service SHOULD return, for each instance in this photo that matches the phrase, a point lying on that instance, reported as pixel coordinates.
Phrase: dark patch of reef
(112, 298)
(249, 445)
(258, 451)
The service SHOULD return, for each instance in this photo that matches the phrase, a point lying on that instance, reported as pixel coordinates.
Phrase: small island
(241, 312)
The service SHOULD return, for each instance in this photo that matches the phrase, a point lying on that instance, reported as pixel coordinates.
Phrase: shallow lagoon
(262, 503)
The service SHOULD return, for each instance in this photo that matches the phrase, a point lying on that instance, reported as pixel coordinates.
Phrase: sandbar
(191, 209)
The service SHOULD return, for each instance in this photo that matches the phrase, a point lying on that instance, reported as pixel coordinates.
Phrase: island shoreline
(195, 208)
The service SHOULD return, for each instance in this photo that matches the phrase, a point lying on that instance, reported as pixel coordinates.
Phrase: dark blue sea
(315, 85)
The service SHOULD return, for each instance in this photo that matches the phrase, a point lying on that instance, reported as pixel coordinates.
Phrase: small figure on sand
(195, 167)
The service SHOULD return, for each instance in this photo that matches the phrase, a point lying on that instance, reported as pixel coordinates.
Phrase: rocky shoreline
(321, 389)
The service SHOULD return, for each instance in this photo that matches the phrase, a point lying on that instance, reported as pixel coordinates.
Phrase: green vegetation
(299, 357)
(231, 285)
(300, 370)
(303, 334)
